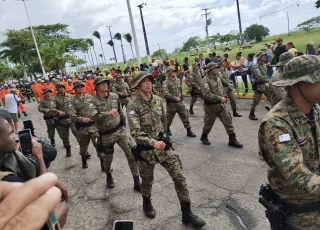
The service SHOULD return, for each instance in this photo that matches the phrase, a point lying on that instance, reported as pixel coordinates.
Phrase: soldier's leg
(210, 116)
(146, 174)
(231, 99)
(124, 145)
(84, 141)
(64, 135)
(226, 120)
(108, 157)
(193, 100)
(171, 112)
(75, 132)
(182, 112)
(51, 131)
(256, 99)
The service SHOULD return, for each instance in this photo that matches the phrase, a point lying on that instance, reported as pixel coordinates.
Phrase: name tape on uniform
(284, 137)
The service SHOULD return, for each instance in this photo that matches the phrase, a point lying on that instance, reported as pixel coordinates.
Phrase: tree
(214, 39)
(257, 32)
(191, 43)
(97, 35)
(159, 53)
(309, 24)
(128, 38)
(318, 4)
(101, 56)
(118, 37)
(91, 44)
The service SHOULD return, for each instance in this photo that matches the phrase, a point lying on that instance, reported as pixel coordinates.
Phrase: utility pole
(239, 20)
(114, 51)
(288, 23)
(159, 51)
(208, 22)
(144, 31)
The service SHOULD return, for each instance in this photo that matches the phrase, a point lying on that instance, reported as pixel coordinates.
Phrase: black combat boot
(234, 142)
(189, 218)
(84, 162)
(252, 116)
(191, 109)
(235, 114)
(68, 151)
(88, 156)
(137, 185)
(169, 132)
(110, 183)
(267, 108)
(204, 139)
(190, 133)
(25, 114)
(102, 165)
(53, 142)
(148, 208)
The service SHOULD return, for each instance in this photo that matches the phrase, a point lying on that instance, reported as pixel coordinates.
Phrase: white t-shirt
(11, 103)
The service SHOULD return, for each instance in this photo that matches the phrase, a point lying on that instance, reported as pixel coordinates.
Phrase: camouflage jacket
(277, 93)
(49, 108)
(147, 119)
(83, 108)
(194, 79)
(291, 150)
(121, 87)
(224, 78)
(259, 73)
(172, 89)
(212, 88)
(64, 102)
(103, 105)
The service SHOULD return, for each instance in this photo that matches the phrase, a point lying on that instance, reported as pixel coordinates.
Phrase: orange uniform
(90, 86)
(3, 93)
(64, 82)
(69, 89)
(21, 105)
(36, 91)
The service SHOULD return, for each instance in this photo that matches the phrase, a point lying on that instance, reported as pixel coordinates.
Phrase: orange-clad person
(90, 85)
(41, 87)
(65, 81)
(20, 104)
(69, 88)
(5, 91)
(75, 78)
(35, 89)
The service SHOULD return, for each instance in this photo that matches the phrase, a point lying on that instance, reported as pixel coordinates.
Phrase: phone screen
(29, 125)
(25, 141)
(123, 225)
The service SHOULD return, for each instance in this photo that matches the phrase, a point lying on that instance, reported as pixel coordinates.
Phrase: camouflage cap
(195, 64)
(305, 68)
(260, 54)
(285, 58)
(45, 90)
(58, 85)
(211, 66)
(221, 60)
(118, 76)
(170, 70)
(77, 83)
(99, 80)
(140, 77)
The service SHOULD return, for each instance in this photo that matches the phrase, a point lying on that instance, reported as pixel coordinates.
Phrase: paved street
(223, 181)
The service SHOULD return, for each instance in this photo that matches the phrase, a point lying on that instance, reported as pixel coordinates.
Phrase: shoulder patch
(284, 137)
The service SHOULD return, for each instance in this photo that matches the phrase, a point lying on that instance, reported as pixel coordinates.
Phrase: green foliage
(256, 32)
(318, 4)
(159, 53)
(90, 42)
(97, 34)
(118, 36)
(309, 24)
(110, 43)
(128, 37)
(191, 43)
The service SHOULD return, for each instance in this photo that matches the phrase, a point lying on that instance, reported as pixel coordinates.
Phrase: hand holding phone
(25, 139)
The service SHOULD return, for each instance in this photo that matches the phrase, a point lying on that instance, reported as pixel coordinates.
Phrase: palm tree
(128, 38)
(97, 35)
(91, 43)
(101, 56)
(111, 43)
(118, 37)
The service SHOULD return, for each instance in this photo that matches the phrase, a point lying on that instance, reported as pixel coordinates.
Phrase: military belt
(123, 96)
(63, 117)
(207, 102)
(84, 125)
(172, 101)
(109, 131)
(298, 209)
(145, 148)
(48, 117)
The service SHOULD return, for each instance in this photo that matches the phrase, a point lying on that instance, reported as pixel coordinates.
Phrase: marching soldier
(147, 119)
(122, 89)
(173, 95)
(215, 101)
(289, 143)
(63, 122)
(227, 86)
(195, 83)
(260, 83)
(111, 123)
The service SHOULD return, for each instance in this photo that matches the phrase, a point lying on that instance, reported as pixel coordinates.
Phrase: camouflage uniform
(194, 80)
(289, 143)
(227, 87)
(122, 87)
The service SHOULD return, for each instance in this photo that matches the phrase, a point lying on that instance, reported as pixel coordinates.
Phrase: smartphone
(25, 138)
(29, 125)
(123, 225)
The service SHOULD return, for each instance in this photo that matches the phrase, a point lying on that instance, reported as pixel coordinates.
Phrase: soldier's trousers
(211, 112)
(64, 135)
(231, 99)
(179, 107)
(107, 155)
(84, 141)
(173, 166)
(194, 98)
(75, 132)
(304, 221)
(261, 89)
(51, 130)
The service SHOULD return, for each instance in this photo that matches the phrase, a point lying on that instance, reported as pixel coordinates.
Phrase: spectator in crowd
(201, 61)
(6, 115)
(113, 72)
(228, 65)
(11, 105)
(318, 52)
(291, 49)
(186, 64)
(239, 71)
(280, 49)
(268, 63)
(118, 71)
(310, 50)
(248, 64)
(269, 50)
(213, 57)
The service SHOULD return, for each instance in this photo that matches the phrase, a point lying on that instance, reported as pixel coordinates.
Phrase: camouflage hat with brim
(58, 85)
(99, 80)
(285, 58)
(260, 54)
(170, 70)
(77, 83)
(195, 64)
(211, 66)
(140, 77)
(45, 90)
(118, 76)
(221, 60)
(305, 68)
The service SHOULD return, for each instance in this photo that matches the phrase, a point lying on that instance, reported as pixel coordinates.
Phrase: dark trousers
(243, 75)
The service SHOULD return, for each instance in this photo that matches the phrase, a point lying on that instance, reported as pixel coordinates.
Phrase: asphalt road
(223, 181)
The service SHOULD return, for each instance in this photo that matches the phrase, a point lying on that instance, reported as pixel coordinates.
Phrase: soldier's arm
(166, 92)
(224, 80)
(122, 116)
(72, 111)
(128, 90)
(208, 95)
(287, 155)
(258, 76)
(140, 137)
(41, 109)
(192, 83)
(164, 117)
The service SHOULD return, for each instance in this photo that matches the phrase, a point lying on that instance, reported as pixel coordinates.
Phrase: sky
(168, 22)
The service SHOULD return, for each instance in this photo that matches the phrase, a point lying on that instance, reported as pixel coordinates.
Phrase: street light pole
(134, 33)
(144, 31)
(239, 19)
(114, 51)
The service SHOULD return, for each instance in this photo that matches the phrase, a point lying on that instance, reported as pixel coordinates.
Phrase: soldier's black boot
(137, 185)
(84, 162)
(191, 109)
(88, 156)
(148, 208)
(235, 114)
(190, 133)
(110, 183)
(189, 217)
(102, 165)
(68, 151)
(204, 139)
(234, 142)
(252, 116)
(169, 132)
(53, 142)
